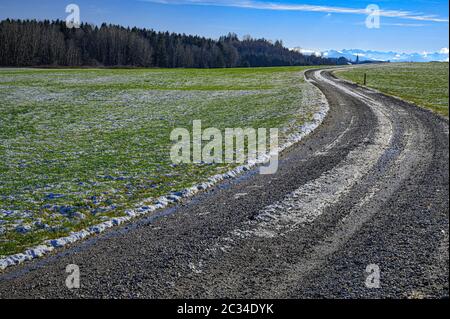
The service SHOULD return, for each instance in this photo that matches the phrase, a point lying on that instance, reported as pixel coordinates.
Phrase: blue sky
(406, 26)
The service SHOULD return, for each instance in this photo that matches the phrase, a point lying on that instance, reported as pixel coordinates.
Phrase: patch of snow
(23, 229)
(164, 201)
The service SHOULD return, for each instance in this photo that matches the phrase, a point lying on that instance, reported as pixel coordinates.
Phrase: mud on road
(369, 187)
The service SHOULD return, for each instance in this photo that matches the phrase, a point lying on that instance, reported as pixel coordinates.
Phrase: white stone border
(164, 201)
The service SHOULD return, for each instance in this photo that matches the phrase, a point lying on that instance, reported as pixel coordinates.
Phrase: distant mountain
(307, 51)
(368, 55)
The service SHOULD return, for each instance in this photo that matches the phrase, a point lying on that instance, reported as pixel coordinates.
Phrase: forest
(52, 43)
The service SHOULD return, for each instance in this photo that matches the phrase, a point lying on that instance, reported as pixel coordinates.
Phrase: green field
(81, 146)
(425, 84)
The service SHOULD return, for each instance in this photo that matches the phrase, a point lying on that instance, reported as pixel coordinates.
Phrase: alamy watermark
(373, 277)
(234, 145)
(373, 16)
(73, 20)
(73, 279)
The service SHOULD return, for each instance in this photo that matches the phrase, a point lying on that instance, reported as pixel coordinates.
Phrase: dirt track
(370, 186)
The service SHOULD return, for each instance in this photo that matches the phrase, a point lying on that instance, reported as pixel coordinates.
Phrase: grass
(425, 84)
(80, 146)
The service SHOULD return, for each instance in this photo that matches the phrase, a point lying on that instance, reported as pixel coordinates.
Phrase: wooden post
(365, 78)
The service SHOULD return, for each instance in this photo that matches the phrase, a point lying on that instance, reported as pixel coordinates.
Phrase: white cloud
(250, 4)
(444, 51)
(404, 24)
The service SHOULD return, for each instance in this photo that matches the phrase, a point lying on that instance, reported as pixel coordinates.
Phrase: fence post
(365, 78)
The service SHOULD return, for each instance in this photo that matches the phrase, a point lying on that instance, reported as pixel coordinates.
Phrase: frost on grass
(81, 149)
(425, 84)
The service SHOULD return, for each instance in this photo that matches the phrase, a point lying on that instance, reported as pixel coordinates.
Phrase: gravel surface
(370, 186)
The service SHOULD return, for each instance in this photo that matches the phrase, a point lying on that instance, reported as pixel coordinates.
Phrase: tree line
(51, 43)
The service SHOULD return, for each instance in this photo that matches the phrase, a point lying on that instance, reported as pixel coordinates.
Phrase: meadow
(80, 146)
(425, 84)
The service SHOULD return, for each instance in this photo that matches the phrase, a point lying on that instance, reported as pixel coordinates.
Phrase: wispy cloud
(405, 24)
(249, 4)
(409, 25)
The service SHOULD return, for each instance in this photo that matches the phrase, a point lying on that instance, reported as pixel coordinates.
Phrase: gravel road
(369, 187)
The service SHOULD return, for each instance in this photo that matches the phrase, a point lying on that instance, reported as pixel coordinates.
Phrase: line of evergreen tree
(51, 43)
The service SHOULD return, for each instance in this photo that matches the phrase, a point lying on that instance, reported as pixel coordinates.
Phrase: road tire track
(370, 186)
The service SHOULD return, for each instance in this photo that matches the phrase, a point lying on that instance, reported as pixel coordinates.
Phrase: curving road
(369, 187)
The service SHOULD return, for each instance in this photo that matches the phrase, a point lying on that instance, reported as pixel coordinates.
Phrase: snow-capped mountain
(307, 51)
(369, 55)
